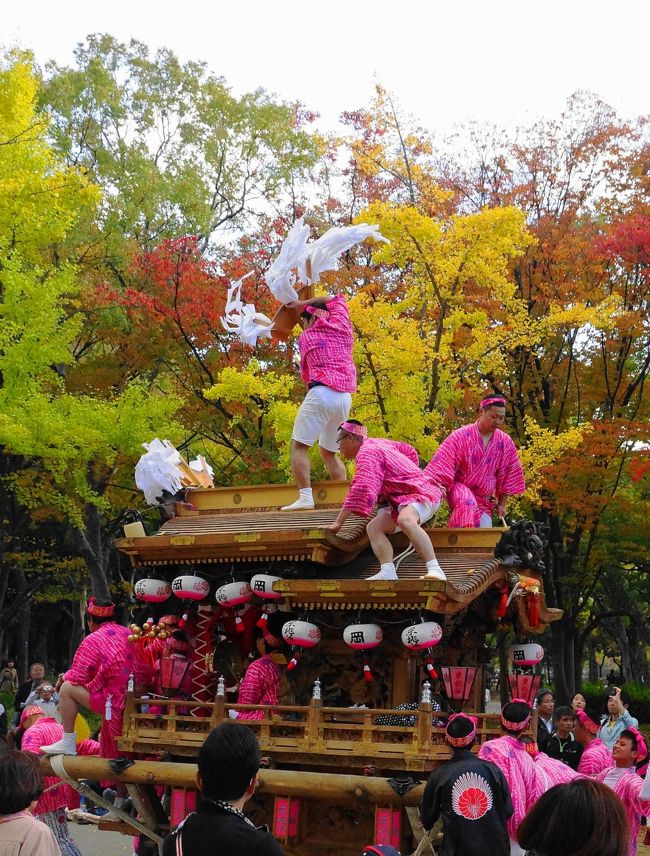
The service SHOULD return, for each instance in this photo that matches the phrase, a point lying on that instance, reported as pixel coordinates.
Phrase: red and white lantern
(233, 595)
(423, 638)
(152, 591)
(361, 637)
(190, 587)
(262, 586)
(299, 634)
(525, 654)
(419, 637)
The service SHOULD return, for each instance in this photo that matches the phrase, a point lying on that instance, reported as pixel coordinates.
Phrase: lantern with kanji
(423, 638)
(299, 634)
(189, 587)
(523, 682)
(233, 596)
(152, 590)
(262, 586)
(458, 682)
(361, 637)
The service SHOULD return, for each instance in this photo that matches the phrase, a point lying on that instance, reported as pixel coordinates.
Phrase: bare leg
(380, 526)
(335, 466)
(409, 522)
(300, 464)
(71, 698)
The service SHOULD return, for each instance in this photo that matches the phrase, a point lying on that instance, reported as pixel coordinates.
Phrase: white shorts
(425, 511)
(485, 521)
(319, 416)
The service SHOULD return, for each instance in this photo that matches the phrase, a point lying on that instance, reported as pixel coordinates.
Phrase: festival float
(338, 776)
(369, 662)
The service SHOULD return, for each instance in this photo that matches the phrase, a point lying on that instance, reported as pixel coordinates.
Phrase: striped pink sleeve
(366, 485)
(87, 660)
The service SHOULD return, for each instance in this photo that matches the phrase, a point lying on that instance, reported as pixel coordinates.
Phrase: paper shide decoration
(298, 263)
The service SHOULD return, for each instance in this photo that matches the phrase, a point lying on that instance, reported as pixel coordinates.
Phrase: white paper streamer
(156, 471)
(242, 319)
(280, 277)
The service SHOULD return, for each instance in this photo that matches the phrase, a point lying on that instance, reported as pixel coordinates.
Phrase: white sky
(501, 61)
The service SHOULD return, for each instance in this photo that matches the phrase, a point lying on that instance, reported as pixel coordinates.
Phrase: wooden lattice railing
(300, 734)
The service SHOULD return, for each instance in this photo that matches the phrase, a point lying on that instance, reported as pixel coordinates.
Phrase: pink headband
(587, 722)
(459, 742)
(100, 611)
(351, 428)
(516, 726)
(642, 749)
(317, 311)
(494, 400)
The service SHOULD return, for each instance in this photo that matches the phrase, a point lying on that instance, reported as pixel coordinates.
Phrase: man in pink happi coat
(513, 759)
(97, 680)
(631, 789)
(595, 755)
(479, 468)
(41, 730)
(386, 475)
(328, 370)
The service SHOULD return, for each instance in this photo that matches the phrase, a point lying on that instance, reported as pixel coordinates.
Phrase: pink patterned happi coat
(383, 471)
(518, 767)
(102, 664)
(595, 757)
(628, 790)
(475, 475)
(552, 772)
(326, 349)
(260, 685)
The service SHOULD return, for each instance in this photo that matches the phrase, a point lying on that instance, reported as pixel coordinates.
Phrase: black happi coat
(473, 798)
(211, 831)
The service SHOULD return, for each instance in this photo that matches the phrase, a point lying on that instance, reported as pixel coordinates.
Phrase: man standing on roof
(479, 467)
(97, 680)
(384, 472)
(326, 366)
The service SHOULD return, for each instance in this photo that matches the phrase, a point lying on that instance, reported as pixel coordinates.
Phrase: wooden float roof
(244, 526)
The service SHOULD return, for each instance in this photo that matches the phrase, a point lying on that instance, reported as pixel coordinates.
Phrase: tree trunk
(23, 618)
(624, 649)
(593, 663)
(504, 684)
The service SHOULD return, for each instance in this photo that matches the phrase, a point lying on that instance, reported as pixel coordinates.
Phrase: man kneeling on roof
(384, 472)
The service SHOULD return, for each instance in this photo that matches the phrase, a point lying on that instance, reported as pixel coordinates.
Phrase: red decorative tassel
(503, 602)
(293, 662)
(262, 620)
(533, 609)
(183, 621)
(367, 674)
(239, 624)
(428, 665)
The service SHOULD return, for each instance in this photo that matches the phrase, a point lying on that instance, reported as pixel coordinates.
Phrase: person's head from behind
(99, 612)
(515, 716)
(37, 671)
(268, 639)
(581, 818)
(350, 437)
(228, 762)
(380, 850)
(309, 314)
(564, 719)
(460, 732)
(21, 783)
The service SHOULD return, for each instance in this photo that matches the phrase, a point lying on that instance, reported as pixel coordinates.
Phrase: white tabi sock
(386, 572)
(306, 494)
(305, 501)
(434, 570)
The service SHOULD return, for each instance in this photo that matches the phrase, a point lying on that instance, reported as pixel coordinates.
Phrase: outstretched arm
(298, 304)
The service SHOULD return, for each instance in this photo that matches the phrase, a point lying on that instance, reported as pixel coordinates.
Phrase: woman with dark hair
(261, 683)
(581, 818)
(21, 785)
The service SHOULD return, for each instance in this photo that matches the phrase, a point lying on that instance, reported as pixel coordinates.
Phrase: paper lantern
(418, 637)
(302, 634)
(528, 654)
(359, 637)
(262, 586)
(458, 681)
(524, 686)
(234, 594)
(152, 591)
(190, 587)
